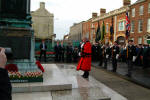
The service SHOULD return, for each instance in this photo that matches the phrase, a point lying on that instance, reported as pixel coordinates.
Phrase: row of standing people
(131, 54)
(62, 53)
(68, 53)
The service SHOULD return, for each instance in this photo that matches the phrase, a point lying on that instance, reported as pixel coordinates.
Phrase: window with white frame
(140, 26)
(132, 26)
(140, 40)
(133, 12)
(121, 26)
(148, 7)
(107, 28)
(141, 10)
(148, 25)
(145, 41)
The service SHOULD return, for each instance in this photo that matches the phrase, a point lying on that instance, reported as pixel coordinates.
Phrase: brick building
(139, 14)
(86, 29)
(140, 21)
(117, 18)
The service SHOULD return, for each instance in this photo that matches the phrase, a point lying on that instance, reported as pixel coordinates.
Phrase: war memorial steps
(63, 82)
(53, 79)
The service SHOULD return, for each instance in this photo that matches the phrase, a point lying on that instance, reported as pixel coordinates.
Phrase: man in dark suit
(57, 50)
(62, 52)
(5, 85)
(100, 54)
(69, 51)
(115, 55)
(43, 48)
(131, 56)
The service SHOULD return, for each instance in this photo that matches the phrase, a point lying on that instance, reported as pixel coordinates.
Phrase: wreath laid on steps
(40, 66)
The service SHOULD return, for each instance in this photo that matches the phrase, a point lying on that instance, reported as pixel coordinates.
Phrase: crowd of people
(131, 54)
(67, 53)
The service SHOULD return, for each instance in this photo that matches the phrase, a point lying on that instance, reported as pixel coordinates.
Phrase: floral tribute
(40, 66)
(12, 67)
(18, 77)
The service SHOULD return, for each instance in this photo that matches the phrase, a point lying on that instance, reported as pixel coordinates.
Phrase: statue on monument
(14, 8)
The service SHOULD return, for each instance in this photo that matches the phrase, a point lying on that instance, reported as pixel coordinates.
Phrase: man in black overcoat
(131, 56)
(43, 48)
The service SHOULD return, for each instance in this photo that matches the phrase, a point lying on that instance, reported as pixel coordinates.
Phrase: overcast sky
(67, 12)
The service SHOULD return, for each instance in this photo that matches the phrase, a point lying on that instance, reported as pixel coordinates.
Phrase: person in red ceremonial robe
(85, 60)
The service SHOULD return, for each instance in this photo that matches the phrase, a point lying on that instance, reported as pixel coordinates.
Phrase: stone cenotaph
(17, 35)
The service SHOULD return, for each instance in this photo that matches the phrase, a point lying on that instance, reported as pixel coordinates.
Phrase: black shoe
(128, 75)
(105, 67)
(113, 70)
(85, 76)
(100, 64)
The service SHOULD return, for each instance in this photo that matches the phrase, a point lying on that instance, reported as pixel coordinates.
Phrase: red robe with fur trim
(85, 60)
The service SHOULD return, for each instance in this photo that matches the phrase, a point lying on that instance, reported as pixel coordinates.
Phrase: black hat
(116, 42)
(130, 41)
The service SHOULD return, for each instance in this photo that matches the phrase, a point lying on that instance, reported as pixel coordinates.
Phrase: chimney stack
(42, 5)
(94, 15)
(126, 2)
(102, 11)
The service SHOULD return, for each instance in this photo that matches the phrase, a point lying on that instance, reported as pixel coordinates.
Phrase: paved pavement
(101, 85)
(139, 75)
(82, 89)
(126, 88)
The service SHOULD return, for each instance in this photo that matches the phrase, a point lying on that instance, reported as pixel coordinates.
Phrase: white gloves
(107, 56)
(117, 56)
(134, 58)
(79, 54)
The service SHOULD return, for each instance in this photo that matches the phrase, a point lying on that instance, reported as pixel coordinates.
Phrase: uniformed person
(131, 56)
(146, 56)
(57, 50)
(139, 59)
(69, 51)
(115, 55)
(106, 54)
(93, 52)
(97, 52)
(75, 54)
(61, 52)
(100, 53)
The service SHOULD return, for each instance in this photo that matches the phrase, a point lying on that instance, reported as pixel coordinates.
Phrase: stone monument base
(53, 79)
(21, 42)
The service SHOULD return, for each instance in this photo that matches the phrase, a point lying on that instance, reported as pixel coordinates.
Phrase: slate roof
(138, 1)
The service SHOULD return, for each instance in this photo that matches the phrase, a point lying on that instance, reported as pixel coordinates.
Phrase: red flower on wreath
(12, 67)
(40, 66)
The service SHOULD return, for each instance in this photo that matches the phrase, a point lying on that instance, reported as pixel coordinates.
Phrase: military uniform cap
(130, 41)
